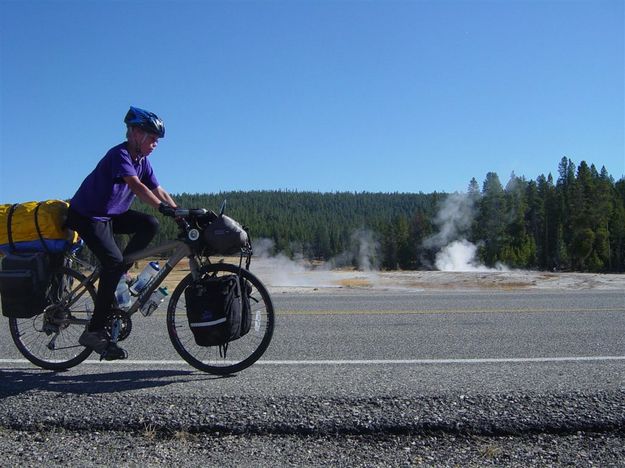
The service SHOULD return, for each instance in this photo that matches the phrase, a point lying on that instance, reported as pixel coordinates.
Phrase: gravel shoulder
(576, 428)
(79, 449)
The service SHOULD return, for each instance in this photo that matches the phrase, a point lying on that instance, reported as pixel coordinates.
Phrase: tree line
(574, 223)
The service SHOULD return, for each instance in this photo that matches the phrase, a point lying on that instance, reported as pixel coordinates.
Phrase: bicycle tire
(242, 352)
(51, 342)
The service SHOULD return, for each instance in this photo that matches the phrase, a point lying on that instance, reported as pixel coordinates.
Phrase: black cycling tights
(98, 235)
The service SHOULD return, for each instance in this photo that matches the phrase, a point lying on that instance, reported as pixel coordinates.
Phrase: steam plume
(279, 270)
(455, 252)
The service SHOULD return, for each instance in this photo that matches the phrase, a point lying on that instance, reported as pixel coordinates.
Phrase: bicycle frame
(181, 250)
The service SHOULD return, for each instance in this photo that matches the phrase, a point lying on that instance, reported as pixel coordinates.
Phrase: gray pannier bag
(24, 279)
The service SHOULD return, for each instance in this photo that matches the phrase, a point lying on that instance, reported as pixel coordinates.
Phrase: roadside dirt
(281, 275)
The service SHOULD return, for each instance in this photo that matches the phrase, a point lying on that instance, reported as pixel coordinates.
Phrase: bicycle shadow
(17, 381)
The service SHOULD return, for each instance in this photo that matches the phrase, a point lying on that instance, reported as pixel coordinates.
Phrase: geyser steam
(455, 252)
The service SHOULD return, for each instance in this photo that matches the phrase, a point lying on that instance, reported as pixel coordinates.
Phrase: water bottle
(150, 270)
(154, 301)
(122, 294)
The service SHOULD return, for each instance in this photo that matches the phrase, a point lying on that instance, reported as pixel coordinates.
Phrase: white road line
(358, 362)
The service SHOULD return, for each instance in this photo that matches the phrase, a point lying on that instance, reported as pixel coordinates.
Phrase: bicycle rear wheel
(241, 353)
(50, 339)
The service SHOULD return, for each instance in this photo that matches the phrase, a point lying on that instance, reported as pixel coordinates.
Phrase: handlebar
(182, 217)
(186, 213)
(194, 226)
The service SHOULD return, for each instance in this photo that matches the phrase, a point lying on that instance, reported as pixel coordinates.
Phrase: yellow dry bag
(35, 227)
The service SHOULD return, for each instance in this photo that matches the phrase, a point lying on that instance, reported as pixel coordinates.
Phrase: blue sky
(378, 96)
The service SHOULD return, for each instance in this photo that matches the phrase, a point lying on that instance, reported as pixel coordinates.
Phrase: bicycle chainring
(125, 324)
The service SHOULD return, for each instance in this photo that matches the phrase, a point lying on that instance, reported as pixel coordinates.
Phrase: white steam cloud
(364, 252)
(455, 252)
(453, 220)
(279, 270)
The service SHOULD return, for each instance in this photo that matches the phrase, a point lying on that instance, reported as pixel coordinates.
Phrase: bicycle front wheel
(241, 353)
(50, 339)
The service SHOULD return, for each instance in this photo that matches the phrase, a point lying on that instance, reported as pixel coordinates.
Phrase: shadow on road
(18, 381)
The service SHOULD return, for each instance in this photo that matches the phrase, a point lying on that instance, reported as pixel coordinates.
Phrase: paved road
(352, 325)
(359, 374)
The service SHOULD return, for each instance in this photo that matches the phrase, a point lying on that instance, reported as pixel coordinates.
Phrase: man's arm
(151, 197)
(162, 195)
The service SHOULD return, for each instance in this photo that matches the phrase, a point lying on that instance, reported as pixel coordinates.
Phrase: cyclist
(101, 208)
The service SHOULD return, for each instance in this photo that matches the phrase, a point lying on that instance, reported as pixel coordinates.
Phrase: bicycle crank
(118, 325)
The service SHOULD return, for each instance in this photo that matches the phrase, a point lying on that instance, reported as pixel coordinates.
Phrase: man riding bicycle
(101, 208)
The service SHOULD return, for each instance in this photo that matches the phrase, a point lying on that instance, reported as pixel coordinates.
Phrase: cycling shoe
(113, 352)
(95, 340)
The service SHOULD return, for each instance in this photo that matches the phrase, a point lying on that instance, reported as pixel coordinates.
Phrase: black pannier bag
(24, 279)
(217, 311)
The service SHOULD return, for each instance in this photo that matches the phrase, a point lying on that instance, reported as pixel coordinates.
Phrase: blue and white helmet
(145, 120)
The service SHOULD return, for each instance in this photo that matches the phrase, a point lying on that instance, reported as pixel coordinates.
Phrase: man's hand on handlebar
(167, 210)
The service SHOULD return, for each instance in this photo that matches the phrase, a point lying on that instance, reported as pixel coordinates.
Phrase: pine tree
(579, 222)
(491, 219)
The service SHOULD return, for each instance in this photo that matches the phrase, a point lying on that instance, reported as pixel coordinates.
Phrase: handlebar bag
(217, 311)
(35, 227)
(225, 236)
(24, 279)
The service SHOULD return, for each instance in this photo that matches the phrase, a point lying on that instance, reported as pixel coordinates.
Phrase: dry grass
(467, 284)
(490, 451)
(149, 431)
(184, 436)
(355, 283)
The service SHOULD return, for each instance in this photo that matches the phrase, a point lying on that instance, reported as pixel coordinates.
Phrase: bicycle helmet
(145, 120)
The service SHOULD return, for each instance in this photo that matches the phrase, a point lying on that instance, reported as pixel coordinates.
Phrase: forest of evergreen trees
(575, 223)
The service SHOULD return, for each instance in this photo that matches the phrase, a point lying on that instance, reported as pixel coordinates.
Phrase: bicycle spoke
(240, 353)
(50, 341)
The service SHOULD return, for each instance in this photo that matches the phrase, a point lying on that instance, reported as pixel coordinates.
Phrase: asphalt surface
(352, 378)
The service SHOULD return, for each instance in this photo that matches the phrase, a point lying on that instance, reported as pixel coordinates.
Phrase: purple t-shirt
(104, 193)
